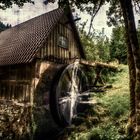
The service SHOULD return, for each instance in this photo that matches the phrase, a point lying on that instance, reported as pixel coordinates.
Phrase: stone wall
(30, 120)
(14, 120)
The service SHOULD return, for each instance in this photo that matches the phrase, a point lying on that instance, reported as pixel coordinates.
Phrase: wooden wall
(25, 85)
(52, 51)
(15, 82)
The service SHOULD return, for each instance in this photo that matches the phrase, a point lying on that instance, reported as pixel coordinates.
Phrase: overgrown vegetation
(99, 47)
(107, 119)
(118, 48)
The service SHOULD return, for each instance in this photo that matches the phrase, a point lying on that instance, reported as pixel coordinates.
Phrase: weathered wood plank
(12, 102)
(96, 64)
(15, 81)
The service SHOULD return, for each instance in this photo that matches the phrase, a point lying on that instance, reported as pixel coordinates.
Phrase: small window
(63, 42)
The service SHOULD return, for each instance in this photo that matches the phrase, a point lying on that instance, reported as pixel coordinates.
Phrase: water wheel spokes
(66, 93)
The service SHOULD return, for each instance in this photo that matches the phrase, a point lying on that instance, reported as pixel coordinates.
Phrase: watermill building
(31, 54)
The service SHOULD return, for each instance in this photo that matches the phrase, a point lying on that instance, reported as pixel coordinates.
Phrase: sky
(17, 15)
(99, 21)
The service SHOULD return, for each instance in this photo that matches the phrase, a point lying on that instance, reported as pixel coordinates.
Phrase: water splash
(74, 90)
(69, 90)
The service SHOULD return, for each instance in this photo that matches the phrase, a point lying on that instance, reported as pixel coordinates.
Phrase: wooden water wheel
(66, 93)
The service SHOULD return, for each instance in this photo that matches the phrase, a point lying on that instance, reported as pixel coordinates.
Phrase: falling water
(69, 90)
(74, 90)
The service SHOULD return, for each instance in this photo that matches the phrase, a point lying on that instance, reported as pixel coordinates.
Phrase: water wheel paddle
(68, 85)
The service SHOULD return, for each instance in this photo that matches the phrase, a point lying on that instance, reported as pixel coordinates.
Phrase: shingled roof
(20, 43)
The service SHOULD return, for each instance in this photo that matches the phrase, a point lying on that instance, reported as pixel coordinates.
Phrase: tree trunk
(136, 53)
(132, 83)
(132, 72)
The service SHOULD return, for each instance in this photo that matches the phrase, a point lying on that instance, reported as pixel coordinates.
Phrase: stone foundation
(30, 119)
(14, 120)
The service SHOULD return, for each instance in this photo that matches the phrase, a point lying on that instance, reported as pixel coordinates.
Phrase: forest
(115, 112)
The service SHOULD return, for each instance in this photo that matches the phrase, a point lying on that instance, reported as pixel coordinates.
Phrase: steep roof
(20, 43)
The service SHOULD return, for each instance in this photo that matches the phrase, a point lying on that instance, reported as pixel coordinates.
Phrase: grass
(107, 119)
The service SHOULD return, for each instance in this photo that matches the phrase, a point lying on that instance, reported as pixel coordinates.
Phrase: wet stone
(78, 120)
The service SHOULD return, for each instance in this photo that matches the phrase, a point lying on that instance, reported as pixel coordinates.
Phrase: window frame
(63, 37)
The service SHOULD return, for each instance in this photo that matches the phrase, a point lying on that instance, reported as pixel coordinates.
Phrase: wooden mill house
(30, 55)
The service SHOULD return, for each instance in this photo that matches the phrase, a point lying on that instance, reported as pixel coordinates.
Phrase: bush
(117, 105)
(105, 132)
(106, 75)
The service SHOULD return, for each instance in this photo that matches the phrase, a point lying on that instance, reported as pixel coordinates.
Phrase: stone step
(83, 105)
(84, 96)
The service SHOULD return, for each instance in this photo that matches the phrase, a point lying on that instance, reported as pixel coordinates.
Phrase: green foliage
(103, 48)
(117, 105)
(111, 110)
(114, 14)
(8, 3)
(89, 46)
(96, 45)
(118, 49)
(99, 48)
(4, 27)
(105, 132)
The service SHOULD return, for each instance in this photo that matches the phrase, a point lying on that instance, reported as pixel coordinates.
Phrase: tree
(3, 26)
(132, 74)
(96, 44)
(118, 48)
(102, 44)
(126, 6)
(89, 46)
(131, 38)
(132, 46)
(8, 3)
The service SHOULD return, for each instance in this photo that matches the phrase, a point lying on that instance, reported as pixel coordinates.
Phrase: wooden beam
(16, 81)
(98, 64)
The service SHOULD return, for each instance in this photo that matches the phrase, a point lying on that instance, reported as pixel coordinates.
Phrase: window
(63, 42)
